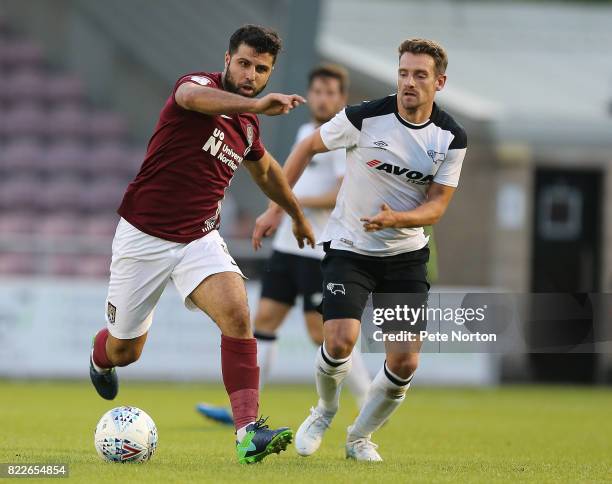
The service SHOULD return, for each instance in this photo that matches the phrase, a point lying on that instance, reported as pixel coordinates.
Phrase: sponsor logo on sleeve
(111, 312)
(201, 80)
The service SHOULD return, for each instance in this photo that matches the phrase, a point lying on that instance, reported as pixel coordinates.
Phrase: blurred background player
(404, 159)
(170, 216)
(292, 271)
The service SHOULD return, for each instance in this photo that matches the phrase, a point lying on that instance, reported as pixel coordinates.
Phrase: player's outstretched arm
(269, 176)
(299, 157)
(208, 100)
(428, 213)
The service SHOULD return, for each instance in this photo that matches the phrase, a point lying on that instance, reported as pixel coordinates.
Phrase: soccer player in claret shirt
(292, 271)
(403, 160)
(169, 219)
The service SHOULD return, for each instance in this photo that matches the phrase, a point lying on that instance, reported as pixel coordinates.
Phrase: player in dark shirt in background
(170, 215)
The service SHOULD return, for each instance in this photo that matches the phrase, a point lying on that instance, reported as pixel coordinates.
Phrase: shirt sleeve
(339, 132)
(198, 79)
(450, 169)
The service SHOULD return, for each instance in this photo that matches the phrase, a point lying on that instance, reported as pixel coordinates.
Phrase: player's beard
(230, 85)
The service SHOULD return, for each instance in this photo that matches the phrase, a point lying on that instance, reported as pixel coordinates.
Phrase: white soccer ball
(126, 434)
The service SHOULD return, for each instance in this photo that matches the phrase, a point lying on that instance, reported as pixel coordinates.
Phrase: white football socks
(241, 432)
(385, 395)
(358, 379)
(329, 374)
(266, 354)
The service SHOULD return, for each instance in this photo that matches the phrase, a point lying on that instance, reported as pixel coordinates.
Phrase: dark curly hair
(262, 39)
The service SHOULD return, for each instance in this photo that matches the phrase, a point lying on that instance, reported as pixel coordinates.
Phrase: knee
(237, 322)
(403, 365)
(340, 345)
(125, 355)
(265, 323)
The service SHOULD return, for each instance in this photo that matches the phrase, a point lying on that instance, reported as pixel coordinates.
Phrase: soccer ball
(126, 434)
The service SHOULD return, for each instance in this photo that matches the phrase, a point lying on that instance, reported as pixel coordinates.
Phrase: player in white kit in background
(292, 271)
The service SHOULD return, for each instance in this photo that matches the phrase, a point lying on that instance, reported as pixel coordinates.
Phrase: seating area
(64, 166)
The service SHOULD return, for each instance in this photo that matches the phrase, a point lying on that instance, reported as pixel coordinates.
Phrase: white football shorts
(141, 267)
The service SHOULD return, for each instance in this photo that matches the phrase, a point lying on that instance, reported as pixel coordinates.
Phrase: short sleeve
(198, 79)
(257, 147)
(450, 170)
(339, 132)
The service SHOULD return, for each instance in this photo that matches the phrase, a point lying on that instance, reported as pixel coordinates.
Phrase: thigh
(200, 260)
(279, 279)
(347, 283)
(223, 297)
(310, 282)
(140, 269)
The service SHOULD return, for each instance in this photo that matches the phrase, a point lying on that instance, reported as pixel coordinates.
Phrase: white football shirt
(320, 176)
(388, 160)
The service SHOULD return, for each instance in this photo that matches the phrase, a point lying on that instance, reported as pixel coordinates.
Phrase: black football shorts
(349, 278)
(288, 275)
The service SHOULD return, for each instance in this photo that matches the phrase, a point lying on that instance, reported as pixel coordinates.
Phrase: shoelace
(365, 444)
(318, 418)
(260, 424)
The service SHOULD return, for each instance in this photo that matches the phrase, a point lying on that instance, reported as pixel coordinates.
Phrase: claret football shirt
(190, 161)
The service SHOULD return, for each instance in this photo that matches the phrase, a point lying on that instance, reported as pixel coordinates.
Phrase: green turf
(527, 434)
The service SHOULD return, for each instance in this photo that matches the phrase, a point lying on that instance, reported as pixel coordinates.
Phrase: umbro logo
(381, 144)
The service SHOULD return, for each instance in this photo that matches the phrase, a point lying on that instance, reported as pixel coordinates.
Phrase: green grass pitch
(526, 434)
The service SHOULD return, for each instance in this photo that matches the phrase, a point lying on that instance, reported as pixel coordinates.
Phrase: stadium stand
(64, 165)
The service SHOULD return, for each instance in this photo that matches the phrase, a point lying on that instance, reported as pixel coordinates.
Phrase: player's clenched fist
(384, 219)
(274, 104)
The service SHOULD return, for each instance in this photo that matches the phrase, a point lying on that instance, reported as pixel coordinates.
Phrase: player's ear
(440, 82)
(228, 57)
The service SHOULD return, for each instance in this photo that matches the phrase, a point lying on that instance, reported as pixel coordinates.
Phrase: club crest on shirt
(435, 156)
(250, 133)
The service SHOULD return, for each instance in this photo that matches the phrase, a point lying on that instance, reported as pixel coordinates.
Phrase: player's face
(325, 98)
(417, 80)
(247, 72)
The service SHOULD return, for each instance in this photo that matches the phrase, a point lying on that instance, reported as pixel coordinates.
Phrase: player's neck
(419, 115)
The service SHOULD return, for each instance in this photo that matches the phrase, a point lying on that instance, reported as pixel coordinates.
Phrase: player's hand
(384, 219)
(302, 230)
(265, 226)
(274, 104)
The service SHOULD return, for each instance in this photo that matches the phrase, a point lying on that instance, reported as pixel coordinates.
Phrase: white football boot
(310, 434)
(363, 450)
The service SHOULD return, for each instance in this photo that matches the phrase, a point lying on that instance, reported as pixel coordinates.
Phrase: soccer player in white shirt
(404, 157)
